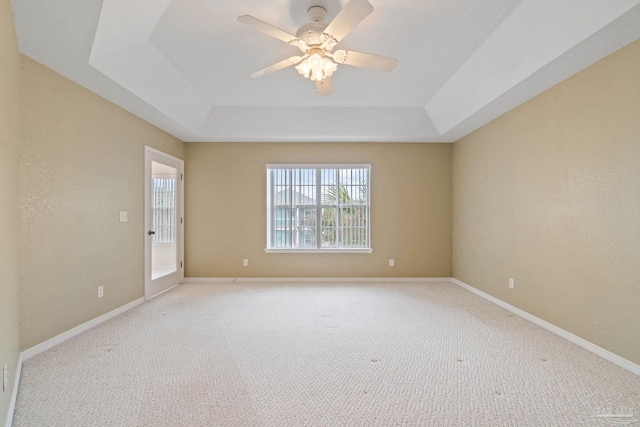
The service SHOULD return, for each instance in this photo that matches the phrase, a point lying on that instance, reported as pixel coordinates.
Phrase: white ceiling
(183, 65)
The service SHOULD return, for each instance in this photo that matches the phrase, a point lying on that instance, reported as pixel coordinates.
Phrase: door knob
(151, 232)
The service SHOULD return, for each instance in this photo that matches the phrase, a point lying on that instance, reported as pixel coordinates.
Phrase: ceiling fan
(316, 40)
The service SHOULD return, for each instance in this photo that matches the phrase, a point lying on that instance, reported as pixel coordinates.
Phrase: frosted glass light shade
(317, 67)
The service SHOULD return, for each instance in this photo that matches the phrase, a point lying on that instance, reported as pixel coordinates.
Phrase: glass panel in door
(164, 247)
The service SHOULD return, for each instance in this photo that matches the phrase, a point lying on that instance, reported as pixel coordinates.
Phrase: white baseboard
(58, 339)
(14, 393)
(46, 345)
(317, 279)
(587, 345)
(162, 292)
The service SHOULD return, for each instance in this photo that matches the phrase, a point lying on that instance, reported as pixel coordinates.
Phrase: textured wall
(9, 136)
(81, 162)
(549, 194)
(225, 198)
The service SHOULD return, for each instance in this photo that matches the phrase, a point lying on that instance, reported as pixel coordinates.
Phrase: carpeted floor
(322, 355)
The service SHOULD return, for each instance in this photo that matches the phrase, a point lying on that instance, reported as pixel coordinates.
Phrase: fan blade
(351, 15)
(278, 66)
(368, 60)
(324, 87)
(276, 32)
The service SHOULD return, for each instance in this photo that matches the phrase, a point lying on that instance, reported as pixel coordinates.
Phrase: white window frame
(317, 250)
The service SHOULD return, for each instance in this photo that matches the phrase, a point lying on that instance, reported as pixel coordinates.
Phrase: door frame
(162, 284)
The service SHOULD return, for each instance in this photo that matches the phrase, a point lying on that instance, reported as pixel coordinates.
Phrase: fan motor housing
(311, 33)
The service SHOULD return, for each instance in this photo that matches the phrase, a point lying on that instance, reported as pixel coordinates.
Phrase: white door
(164, 221)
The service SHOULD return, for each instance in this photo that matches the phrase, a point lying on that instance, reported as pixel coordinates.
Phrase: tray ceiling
(183, 65)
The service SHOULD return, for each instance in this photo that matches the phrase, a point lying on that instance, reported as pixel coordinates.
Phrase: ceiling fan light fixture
(316, 40)
(317, 67)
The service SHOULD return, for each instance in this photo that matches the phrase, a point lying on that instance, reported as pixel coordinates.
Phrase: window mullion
(318, 208)
(368, 205)
(338, 218)
(290, 208)
(295, 214)
(351, 209)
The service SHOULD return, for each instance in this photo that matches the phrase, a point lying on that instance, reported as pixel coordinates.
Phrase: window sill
(319, 251)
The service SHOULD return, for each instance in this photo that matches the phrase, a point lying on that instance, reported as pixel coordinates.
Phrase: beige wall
(9, 136)
(549, 194)
(81, 162)
(225, 199)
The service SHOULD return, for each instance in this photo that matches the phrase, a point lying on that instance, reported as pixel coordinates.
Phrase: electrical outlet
(100, 291)
(245, 262)
(4, 378)
(123, 216)
(510, 283)
(392, 263)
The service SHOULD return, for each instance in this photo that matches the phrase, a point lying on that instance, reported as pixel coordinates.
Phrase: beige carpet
(321, 355)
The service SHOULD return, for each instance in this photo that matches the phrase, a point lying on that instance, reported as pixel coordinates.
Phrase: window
(318, 208)
(164, 210)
